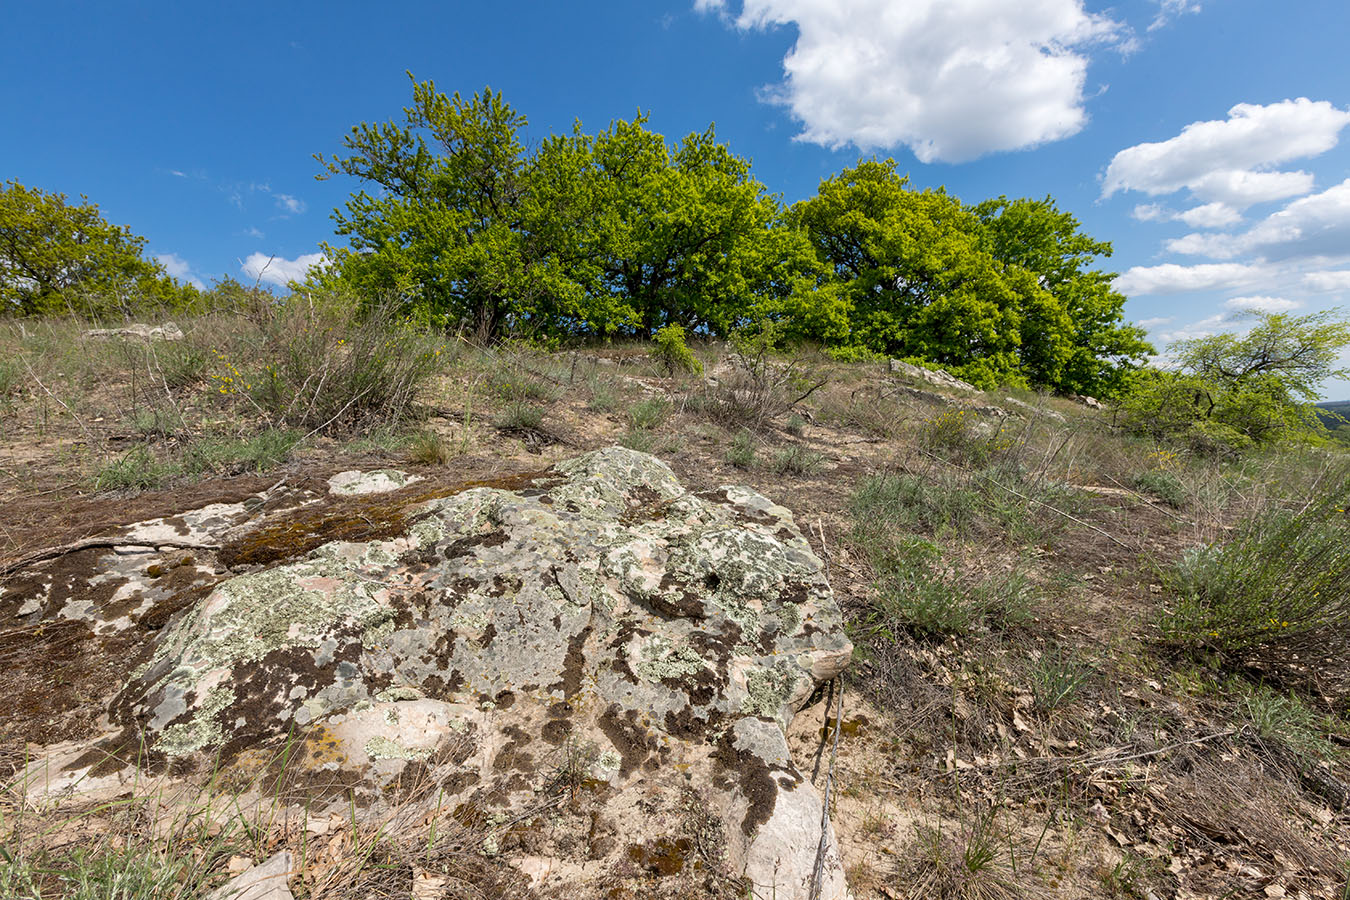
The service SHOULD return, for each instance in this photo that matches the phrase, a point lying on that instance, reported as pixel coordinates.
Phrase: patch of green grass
(639, 439)
(995, 500)
(796, 460)
(648, 414)
(741, 453)
(234, 455)
(1287, 720)
(520, 416)
(135, 470)
(796, 425)
(155, 421)
(915, 592)
(603, 396)
(427, 448)
(1056, 676)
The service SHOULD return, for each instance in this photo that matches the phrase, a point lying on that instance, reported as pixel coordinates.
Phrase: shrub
(741, 453)
(673, 353)
(1282, 580)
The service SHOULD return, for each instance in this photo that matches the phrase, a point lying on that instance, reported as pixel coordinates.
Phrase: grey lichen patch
(660, 660)
(381, 747)
(767, 690)
(202, 730)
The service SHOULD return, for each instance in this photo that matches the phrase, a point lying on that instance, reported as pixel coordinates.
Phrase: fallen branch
(98, 543)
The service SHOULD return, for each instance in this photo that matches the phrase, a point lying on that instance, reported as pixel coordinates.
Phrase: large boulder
(596, 625)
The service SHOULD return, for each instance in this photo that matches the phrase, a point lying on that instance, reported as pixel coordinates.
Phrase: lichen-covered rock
(601, 622)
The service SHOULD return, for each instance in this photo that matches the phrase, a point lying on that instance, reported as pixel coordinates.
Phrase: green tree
(445, 229)
(1229, 391)
(607, 234)
(1036, 236)
(57, 256)
(910, 271)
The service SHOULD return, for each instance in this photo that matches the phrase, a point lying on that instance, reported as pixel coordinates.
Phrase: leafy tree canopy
(613, 233)
(1231, 390)
(912, 271)
(58, 257)
(1039, 238)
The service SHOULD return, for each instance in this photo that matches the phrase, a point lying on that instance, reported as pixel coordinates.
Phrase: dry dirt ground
(1070, 754)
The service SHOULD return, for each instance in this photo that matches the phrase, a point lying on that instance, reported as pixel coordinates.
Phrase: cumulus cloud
(951, 79)
(1230, 161)
(1317, 226)
(1150, 324)
(1263, 304)
(179, 268)
(293, 205)
(1328, 281)
(1171, 278)
(277, 269)
(1208, 215)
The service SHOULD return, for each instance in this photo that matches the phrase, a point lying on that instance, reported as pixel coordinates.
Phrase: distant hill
(1335, 415)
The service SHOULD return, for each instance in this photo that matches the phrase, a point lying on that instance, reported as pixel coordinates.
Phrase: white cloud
(1203, 328)
(279, 270)
(179, 268)
(290, 204)
(1150, 324)
(1263, 304)
(177, 172)
(950, 79)
(1328, 281)
(1171, 278)
(1229, 161)
(1171, 9)
(254, 232)
(1209, 215)
(1152, 212)
(1311, 227)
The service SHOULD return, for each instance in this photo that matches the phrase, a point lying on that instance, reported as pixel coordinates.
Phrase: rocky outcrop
(935, 377)
(596, 625)
(169, 331)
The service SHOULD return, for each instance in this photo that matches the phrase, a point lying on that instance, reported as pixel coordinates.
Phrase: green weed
(741, 453)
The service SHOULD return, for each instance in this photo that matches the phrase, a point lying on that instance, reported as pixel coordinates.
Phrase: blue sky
(1207, 139)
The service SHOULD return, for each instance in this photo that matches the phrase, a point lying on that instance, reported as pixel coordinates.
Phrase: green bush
(135, 470)
(741, 453)
(1283, 579)
(1163, 485)
(673, 353)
